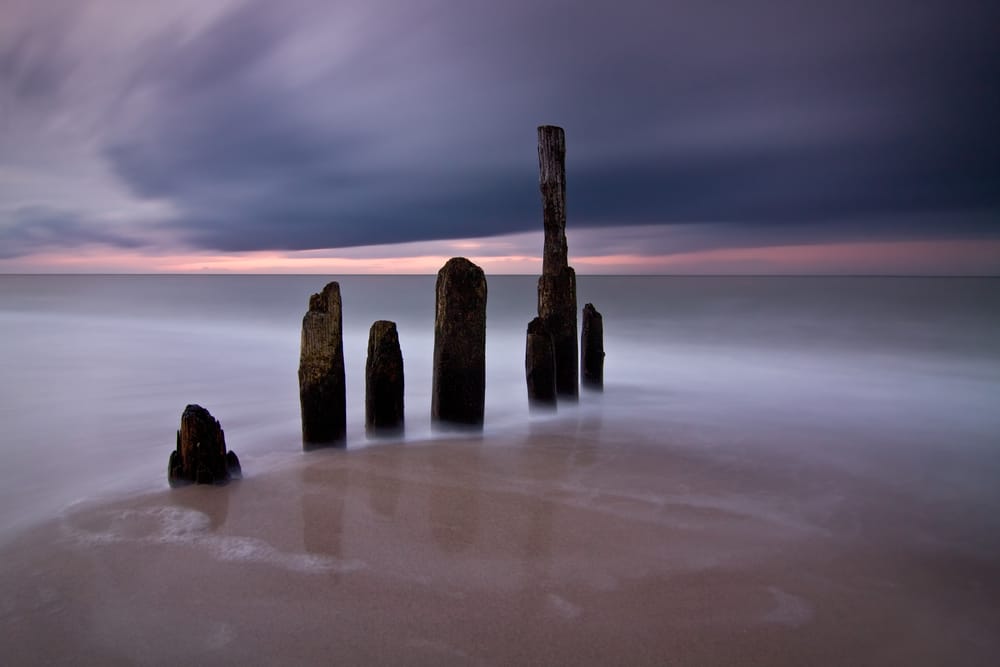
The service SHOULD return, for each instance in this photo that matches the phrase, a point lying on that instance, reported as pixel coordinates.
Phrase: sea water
(897, 378)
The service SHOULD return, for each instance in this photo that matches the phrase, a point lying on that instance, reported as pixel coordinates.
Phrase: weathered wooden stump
(321, 371)
(383, 381)
(458, 395)
(201, 455)
(557, 285)
(540, 367)
(592, 348)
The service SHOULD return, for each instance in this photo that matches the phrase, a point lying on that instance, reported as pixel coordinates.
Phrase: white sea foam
(186, 527)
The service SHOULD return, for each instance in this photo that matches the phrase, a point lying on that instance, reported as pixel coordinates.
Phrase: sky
(385, 136)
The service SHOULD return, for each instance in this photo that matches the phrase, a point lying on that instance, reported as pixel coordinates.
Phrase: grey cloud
(33, 65)
(781, 119)
(36, 229)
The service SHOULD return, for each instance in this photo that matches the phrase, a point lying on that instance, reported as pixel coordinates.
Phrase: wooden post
(383, 381)
(557, 285)
(201, 455)
(552, 183)
(458, 395)
(540, 367)
(321, 371)
(557, 309)
(592, 348)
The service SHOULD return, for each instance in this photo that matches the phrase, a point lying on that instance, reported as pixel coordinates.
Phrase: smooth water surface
(897, 378)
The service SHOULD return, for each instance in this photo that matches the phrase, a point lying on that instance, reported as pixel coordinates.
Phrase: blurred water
(865, 372)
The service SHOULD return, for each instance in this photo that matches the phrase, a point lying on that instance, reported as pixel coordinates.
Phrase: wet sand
(583, 545)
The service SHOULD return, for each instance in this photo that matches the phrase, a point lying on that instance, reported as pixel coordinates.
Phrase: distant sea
(896, 378)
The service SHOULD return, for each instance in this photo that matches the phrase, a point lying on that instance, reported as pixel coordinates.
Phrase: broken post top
(198, 414)
(322, 336)
(201, 454)
(552, 183)
(326, 301)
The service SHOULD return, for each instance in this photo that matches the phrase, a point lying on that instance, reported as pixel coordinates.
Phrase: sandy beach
(579, 543)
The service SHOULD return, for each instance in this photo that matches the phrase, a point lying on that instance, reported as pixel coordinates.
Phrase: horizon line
(512, 275)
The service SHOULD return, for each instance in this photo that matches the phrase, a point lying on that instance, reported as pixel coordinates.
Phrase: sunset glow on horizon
(871, 258)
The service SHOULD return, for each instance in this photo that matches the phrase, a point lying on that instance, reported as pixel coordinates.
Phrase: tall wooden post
(557, 285)
(552, 183)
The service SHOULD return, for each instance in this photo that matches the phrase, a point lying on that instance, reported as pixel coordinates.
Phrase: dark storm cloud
(336, 124)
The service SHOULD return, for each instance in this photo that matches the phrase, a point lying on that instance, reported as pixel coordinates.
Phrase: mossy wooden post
(540, 367)
(592, 348)
(383, 381)
(321, 371)
(458, 394)
(557, 285)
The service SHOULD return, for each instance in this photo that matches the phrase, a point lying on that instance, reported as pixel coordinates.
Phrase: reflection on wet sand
(536, 544)
(211, 500)
(454, 501)
(447, 492)
(588, 436)
(382, 479)
(325, 490)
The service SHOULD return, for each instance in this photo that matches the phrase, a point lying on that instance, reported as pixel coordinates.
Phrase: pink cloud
(515, 254)
(884, 257)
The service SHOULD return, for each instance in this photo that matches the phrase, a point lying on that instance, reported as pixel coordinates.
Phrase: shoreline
(583, 543)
